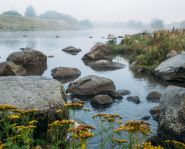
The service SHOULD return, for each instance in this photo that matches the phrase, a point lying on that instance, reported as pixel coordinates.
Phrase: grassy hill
(21, 23)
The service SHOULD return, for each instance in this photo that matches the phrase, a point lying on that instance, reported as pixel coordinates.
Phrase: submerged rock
(124, 92)
(97, 52)
(90, 86)
(154, 96)
(172, 116)
(10, 69)
(102, 100)
(71, 50)
(35, 62)
(172, 69)
(105, 65)
(64, 74)
(134, 99)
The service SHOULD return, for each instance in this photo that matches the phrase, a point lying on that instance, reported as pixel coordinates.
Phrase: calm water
(123, 79)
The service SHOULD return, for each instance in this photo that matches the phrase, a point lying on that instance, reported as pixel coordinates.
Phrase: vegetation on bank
(17, 130)
(21, 23)
(148, 50)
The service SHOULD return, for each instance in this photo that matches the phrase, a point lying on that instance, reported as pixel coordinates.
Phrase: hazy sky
(106, 10)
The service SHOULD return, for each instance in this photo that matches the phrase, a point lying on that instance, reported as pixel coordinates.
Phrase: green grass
(21, 23)
(148, 50)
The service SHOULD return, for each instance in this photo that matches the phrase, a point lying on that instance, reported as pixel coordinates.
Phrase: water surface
(123, 78)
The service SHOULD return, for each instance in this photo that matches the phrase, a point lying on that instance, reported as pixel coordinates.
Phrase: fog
(105, 10)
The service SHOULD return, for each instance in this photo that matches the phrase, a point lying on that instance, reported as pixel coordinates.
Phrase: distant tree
(30, 12)
(12, 13)
(157, 24)
(182, 24)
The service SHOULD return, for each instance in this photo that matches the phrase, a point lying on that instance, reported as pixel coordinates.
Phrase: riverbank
(147, 50)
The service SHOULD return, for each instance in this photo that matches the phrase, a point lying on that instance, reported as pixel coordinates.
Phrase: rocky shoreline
(23, 70)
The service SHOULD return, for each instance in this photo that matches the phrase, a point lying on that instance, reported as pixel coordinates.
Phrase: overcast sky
(106, 10)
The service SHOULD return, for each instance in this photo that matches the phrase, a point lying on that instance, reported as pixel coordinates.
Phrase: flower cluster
(14, 117)
(120, 141)
(176, 143)
(82, 131)
(108, 117)
(75, 105)
(147, 145)
(61, 123)
(4, 107)
(135, 126)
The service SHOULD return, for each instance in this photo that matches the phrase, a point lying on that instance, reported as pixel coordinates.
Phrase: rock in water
(110, 36)
(35, 62)
(32, 92)
(97, 52)
(65, 74)
(154, 96)
(102, 100)
(11, 69)
(90, 85)
(172, 114)
(71, 50)
(124, 92)
(172, 69)
(105, 65)
(134, 99)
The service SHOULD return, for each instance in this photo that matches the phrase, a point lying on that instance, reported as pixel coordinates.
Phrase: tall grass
(147, 50)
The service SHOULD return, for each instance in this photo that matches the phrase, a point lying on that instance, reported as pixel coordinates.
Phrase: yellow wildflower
(14, 117)
(86, 135)
(120, 141)
(135, 126)
(177, 143)
(80, 128)
(59, 111)
(148, 145)
(61, 123)
(4, 107)
(1, 145)
(32, 122)
(75, 105)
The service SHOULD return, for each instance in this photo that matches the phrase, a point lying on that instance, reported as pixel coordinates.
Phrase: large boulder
(172, 114)
(44, 94)
(10, 69)
(105, 65)
(90, 85)
(35, 62)
(97, 52)
(172, 69)
(32, 92)
(71, 50)
(65, 74)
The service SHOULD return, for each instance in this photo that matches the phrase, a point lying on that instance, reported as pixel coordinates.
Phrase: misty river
(123, 78)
